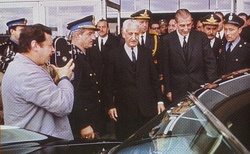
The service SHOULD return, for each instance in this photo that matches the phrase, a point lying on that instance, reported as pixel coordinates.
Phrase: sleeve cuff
(160, 103)
(62, 78)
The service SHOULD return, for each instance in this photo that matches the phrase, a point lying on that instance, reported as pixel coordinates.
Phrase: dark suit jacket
(8, 50)
(154, 46)
(86, 96)
(98, 59)
(135, 93)
(238, 58)
(182, 74)
(217, 47)
(245, 34)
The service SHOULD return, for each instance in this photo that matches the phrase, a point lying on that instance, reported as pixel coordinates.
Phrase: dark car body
(213, 119)
(15, 140)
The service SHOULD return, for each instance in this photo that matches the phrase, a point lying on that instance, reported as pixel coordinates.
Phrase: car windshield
(182, 129)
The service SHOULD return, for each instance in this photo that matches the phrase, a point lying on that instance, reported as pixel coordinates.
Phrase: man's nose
(53, 50)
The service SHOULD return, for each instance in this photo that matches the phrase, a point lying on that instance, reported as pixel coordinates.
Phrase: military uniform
(236, 53)
(210, 25)
(8, 50)
(86, 93)
(152, 41)
(238, 58)
(85, 82)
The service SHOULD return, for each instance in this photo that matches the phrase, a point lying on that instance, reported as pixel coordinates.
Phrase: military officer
(236, 51)
(83, 118)
(147, 40)
(163, 27)
(9, 48)
(210, 27)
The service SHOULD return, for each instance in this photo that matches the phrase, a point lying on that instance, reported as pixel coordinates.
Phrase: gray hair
(75, 32)
(128, 23)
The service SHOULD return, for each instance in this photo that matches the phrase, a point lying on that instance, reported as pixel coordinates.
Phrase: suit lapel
(139, 62)
(191, 43)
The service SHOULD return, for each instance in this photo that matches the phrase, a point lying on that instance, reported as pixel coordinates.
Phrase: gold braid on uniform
(155, 47)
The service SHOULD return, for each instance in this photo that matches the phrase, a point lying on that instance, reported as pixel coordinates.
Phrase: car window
(183, 129)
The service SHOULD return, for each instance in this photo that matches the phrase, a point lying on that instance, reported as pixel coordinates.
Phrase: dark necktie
(133, 56)
(229, 47)
(101, 45)
(184, 47)
(219, 35)
(184, 43)
(142, 40)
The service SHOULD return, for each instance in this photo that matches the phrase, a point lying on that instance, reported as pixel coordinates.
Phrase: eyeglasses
(154, 28)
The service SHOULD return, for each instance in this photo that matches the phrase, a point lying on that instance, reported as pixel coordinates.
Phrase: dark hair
(221, 14)
(153, 22)
(13, 27)
(243, 14)
(32, 32)
(105, 21)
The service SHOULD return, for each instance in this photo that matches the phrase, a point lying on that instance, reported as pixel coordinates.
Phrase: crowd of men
(115, 82)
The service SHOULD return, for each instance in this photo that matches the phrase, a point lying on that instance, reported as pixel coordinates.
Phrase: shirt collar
(14, 41)
(212, 42)
(104, 39)
(234, 43)
(181, 37)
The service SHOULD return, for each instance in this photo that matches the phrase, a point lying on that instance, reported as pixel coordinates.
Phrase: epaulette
(5, 43)
(152, 32)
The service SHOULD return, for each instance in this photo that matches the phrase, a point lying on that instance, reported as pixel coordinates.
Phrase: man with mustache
(210, 27)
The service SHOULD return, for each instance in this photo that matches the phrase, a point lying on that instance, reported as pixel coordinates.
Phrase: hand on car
(113, 114)
(169, 96)
(160, 108)
(87, 133)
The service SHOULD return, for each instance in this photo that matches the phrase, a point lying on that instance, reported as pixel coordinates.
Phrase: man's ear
(240, 30)
(123, 34)
(11, 31)
(34, 45)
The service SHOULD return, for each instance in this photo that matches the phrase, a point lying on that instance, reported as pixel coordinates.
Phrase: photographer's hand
(65, 71)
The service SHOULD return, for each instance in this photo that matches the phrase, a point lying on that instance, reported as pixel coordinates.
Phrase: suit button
(98, 91)
(85, 109)
(99, 101)
(90, 74)
(94, 74)
(96, 82)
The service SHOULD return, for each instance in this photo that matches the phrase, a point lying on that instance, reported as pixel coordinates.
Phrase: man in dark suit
(98, 55)
(236, 52)
(83, 118)
(210, 27)
(188, 58)
(133, 89)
